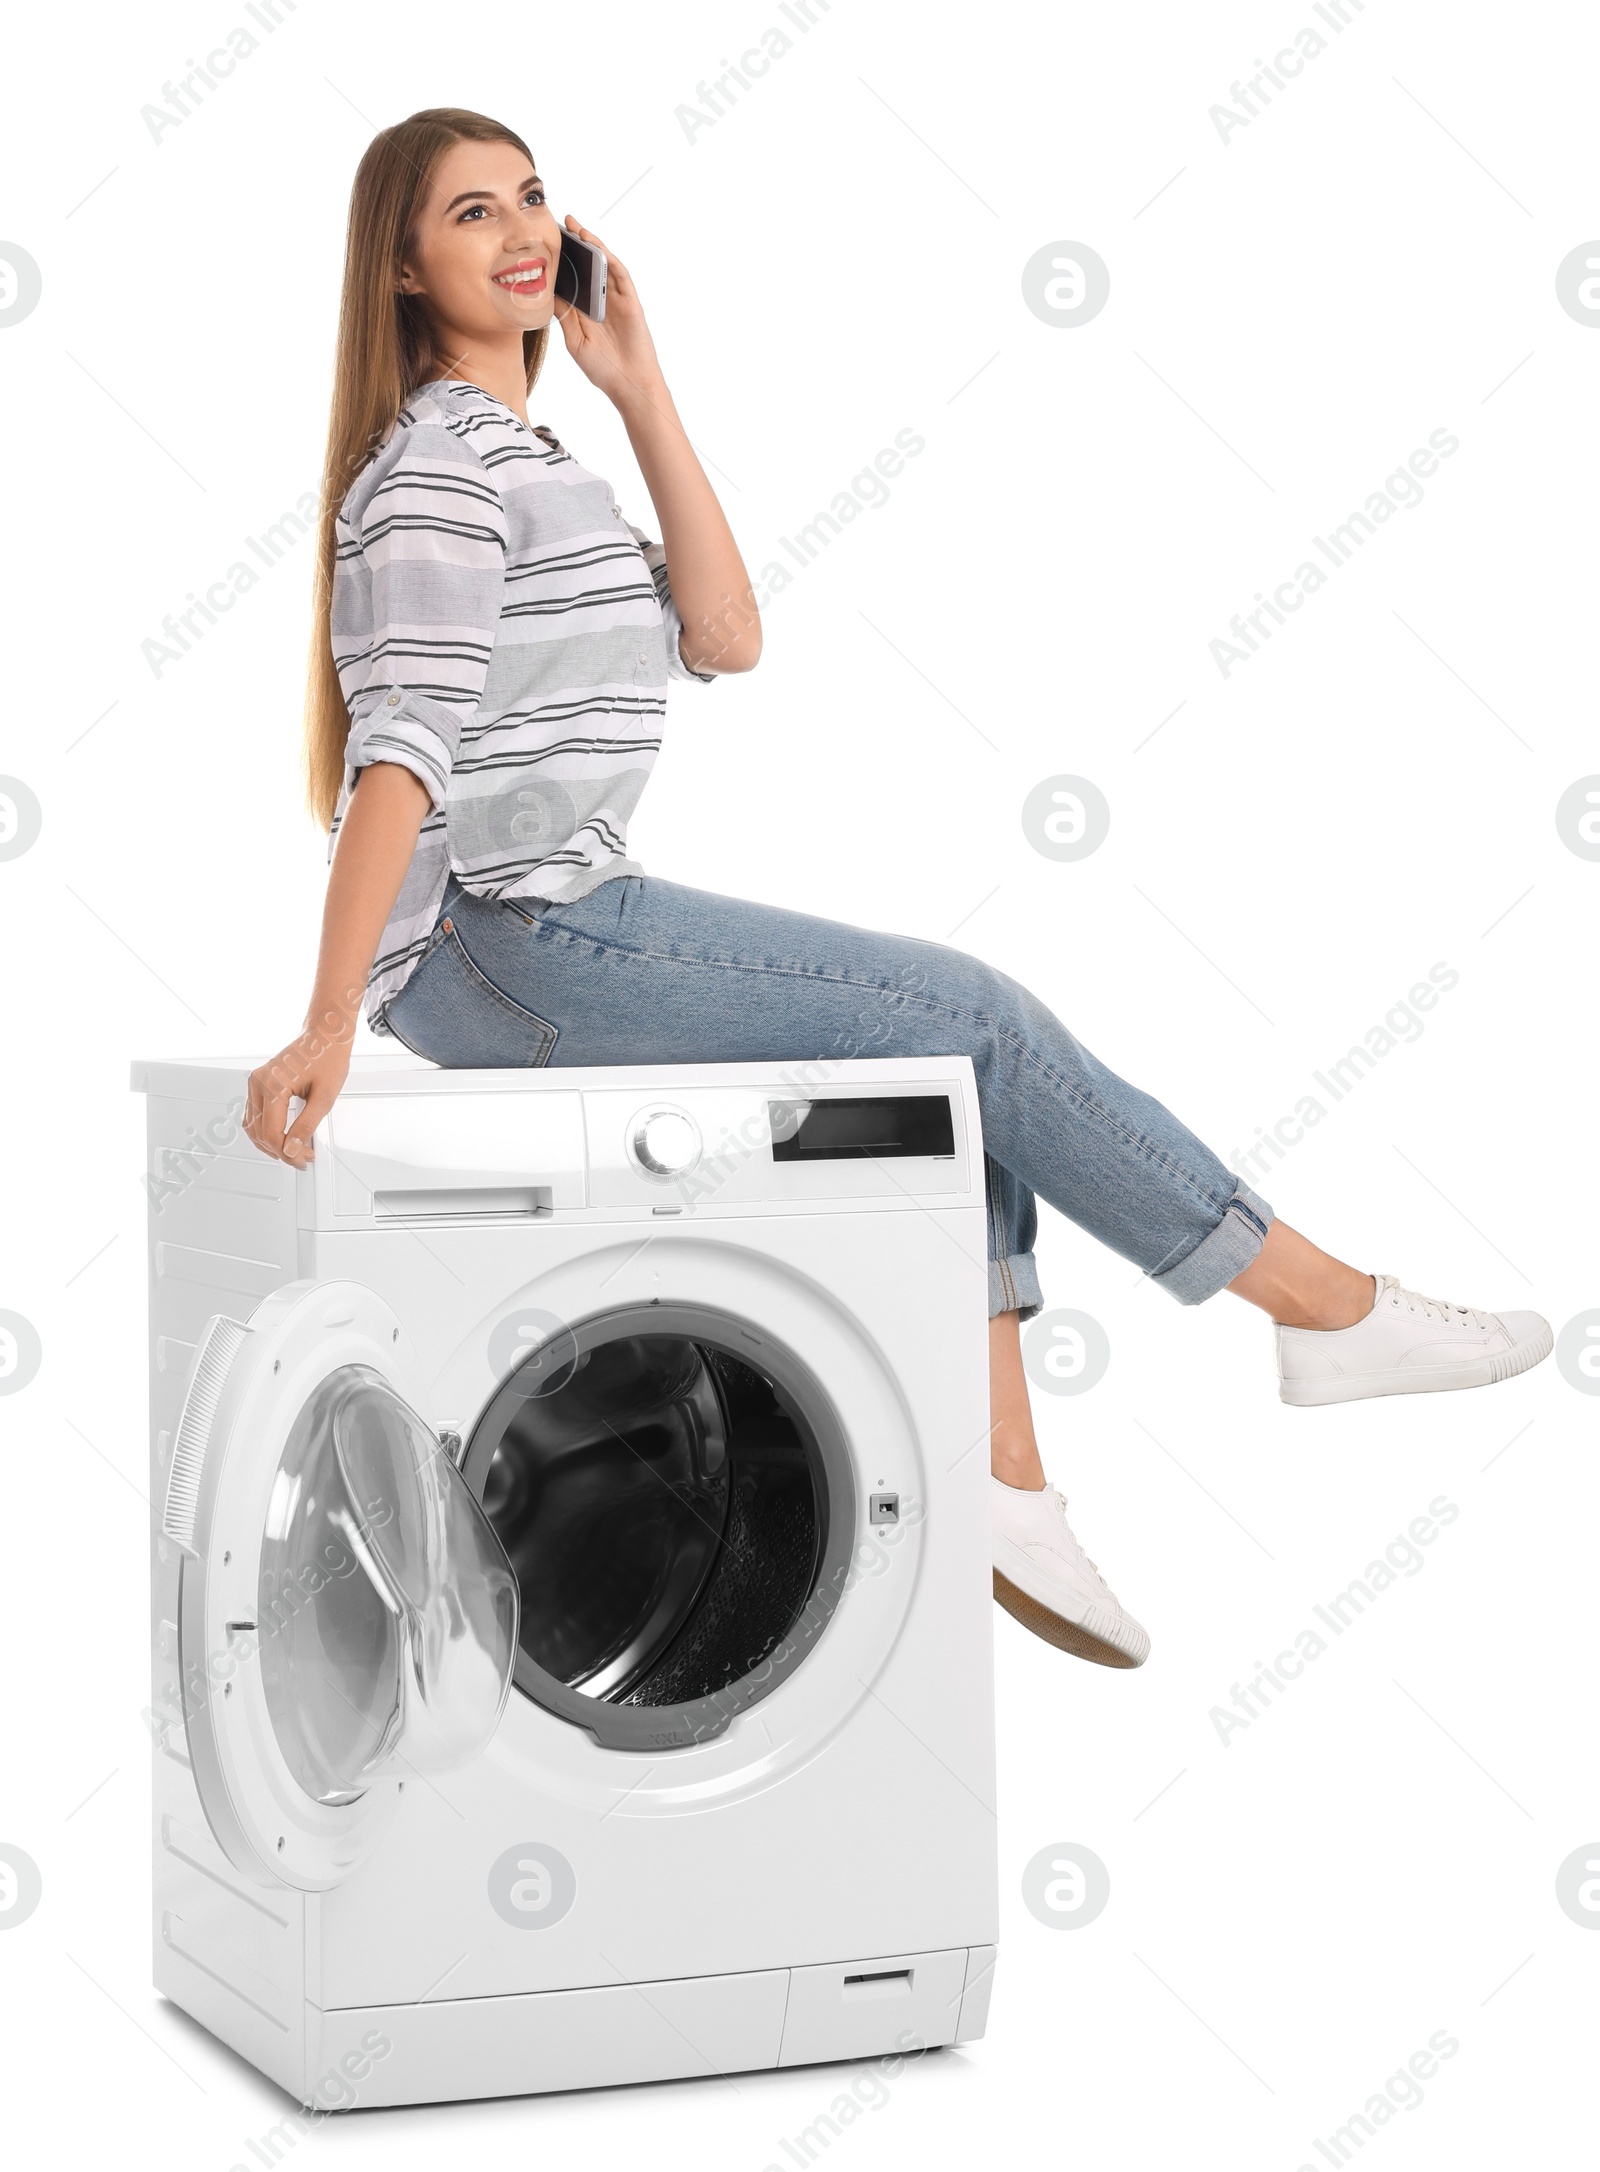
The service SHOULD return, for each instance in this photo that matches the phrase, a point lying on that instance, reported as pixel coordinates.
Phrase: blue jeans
(646, 971)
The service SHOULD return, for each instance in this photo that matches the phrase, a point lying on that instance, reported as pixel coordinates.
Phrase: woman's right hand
(313, 1068)
(376, 841)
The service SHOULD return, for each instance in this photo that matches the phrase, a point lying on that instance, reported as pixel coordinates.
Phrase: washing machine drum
(678, 1515)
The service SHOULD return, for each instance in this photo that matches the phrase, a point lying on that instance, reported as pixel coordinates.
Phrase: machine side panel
(221, 1235)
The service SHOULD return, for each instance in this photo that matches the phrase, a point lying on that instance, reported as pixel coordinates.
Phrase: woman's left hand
(618, 356)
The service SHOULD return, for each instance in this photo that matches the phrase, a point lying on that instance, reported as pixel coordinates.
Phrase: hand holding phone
(617, 355)
(581, 276)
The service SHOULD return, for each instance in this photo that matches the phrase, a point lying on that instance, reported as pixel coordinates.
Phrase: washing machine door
(347, 1617)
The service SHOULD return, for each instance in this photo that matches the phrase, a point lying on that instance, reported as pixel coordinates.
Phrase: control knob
(666, 1142)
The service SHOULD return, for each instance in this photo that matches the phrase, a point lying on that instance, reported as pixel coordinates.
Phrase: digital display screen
(880, 1127)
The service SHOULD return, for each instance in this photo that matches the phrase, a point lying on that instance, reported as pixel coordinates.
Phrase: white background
(837, 258)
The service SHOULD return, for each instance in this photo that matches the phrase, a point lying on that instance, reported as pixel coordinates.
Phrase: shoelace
(1444, 1306)
(1061, 1511)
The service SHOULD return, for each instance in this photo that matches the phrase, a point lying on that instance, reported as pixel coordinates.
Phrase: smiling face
(484, 249)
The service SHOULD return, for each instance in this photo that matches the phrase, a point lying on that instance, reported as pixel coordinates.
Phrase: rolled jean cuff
(1014, 1286)
(1225, 1253)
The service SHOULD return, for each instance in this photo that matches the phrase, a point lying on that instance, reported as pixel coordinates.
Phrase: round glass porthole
(386, 1612)
(674, 1494)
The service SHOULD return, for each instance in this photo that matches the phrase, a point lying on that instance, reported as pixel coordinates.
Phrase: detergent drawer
(905, 2002)
(454, 1157)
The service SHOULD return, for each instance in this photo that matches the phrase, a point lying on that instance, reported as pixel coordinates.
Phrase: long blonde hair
(384, 350)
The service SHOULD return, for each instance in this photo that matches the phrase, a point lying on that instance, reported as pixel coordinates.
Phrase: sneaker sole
(1067, 1636)
(1504, 1365)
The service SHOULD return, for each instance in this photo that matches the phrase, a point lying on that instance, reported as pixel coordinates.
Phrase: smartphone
(581, 276)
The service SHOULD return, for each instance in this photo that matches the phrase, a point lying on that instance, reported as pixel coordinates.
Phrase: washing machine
(571, 1626)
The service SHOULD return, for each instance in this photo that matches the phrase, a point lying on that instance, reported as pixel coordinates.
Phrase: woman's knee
(1000, 1009)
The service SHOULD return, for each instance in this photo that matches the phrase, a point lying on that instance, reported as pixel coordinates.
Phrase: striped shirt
(503, 633)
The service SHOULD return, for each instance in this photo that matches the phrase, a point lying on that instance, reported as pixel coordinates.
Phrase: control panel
(699, 1147)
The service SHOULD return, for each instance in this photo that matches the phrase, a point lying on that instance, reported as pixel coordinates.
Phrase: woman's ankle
(1017, 1466)
(1013, 1451)
(1326, 1311)
(1297, 1284)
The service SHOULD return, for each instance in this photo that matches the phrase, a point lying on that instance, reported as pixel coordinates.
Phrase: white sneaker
(1044, 1578)
(1406, 1345)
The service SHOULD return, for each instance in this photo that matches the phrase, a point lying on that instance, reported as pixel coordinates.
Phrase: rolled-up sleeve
(655, 559)
(431, 541)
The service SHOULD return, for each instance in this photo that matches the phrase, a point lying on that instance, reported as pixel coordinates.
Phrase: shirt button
(616, 512)
(644, 656)
(394, 701)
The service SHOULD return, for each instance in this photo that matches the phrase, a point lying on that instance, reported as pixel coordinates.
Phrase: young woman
(488, 679)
